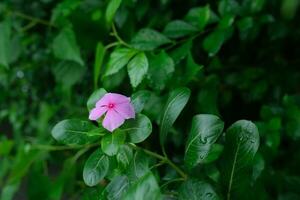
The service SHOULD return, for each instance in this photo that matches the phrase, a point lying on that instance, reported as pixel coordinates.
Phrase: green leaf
(95, 96)
(139, 166)
(68, 72)
(161, 67)
(117, 188)
(179, 28)
(201, 16)
(65, 46)
(100, 52)
(111, 143)
(181, 52)
(192, 69)
(205, 130)
(6, 146)
(213, 42)
(111, 10)
(138, 129)
(63, 10)
(118, 59)
(139, 99)
(176, 102)
(242, 142)
(95, 168)
(148, 39)
(124, 156)
(145, 188)
(137, 69)
(214, 153)
(5, 30)
(74, 132)
(194, 189)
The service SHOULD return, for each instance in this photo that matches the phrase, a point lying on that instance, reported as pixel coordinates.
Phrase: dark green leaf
(139, 99)
(95, 96)
(68, 72)
(181, 52)
(179, 28)
(73, 132)
(137, 69)
(124, 156)
(111, 143)
(242, 142)
(139, 166)
(205, 130)
(213, 42)
(145, 188)
(176, 102)
(138, 129)
(95, 168)
(111, 10)
(161, 67)
(100, 52)
(117, 188)
(118, 59)
(214, 153)
(65, 46)
(5, 30)
(201, 16)
(194, 189)
(148, 39)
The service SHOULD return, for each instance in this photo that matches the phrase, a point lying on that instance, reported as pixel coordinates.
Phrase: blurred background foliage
(240, 58)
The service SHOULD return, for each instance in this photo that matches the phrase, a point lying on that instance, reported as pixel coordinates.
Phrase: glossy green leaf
(176, 102)
(118, 59)
(139, 99)
(214, 153)
(74, 132)
(145, 188)
(138, 129)
(95, 96)
(137, 69)
(242, 142)
(68, 72)
(200, 16)
(192, 68)
(161, 67)
(213, 42)
(111, 143)
(100, 52)
(124, 156)
(5, 30)
(194, 189)
(206, 129)
(65, 46)
(179, 28)
(111, 10)
(148, 39)
(95, 168)
(117, 188)
(139, 166)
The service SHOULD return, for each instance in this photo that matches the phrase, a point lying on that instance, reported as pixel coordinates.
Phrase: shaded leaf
(139, 99)
(138, 129)
(179, 28)
(111, 10)
(137, 69)
(111, 143)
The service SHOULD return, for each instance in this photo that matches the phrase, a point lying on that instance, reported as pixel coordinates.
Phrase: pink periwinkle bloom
(117, 108)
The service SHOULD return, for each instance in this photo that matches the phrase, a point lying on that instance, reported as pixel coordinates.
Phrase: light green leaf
(148, 39)
(179, 28)
(205, 130)
(145, 188)
(100, 52)
(176, 102)
(139, 99)
(68, 72)
(137, 69)
(5, 30)
(161, 67)
(65, 46)
(111, 10)
(138, 129)
(95, 168)
(74, 132)
(111, 143)
(118, 59)
(242, 142)
(194, 189)
(124, 156)
(95, 96)
(117, 188)
(139, 166)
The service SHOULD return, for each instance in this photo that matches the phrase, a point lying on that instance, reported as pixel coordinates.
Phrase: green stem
(112, 45)
(162, 158)
(33, 19)
(121, 41)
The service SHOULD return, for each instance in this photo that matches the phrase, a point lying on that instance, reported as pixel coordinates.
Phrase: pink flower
(117, 108)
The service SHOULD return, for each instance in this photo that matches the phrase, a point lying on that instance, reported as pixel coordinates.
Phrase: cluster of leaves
(192, 70)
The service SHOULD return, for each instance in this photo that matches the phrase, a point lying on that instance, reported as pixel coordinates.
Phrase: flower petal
(117, 98)
(112, 120)
(97, 112)
(126, 110)
(104, 101)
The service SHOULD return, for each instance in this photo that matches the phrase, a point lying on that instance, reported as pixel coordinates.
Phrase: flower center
(111, 105)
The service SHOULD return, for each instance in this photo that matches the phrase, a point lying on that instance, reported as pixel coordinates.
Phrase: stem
(121, 41)
(33, 19)
(111, 45)
(162, 158)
